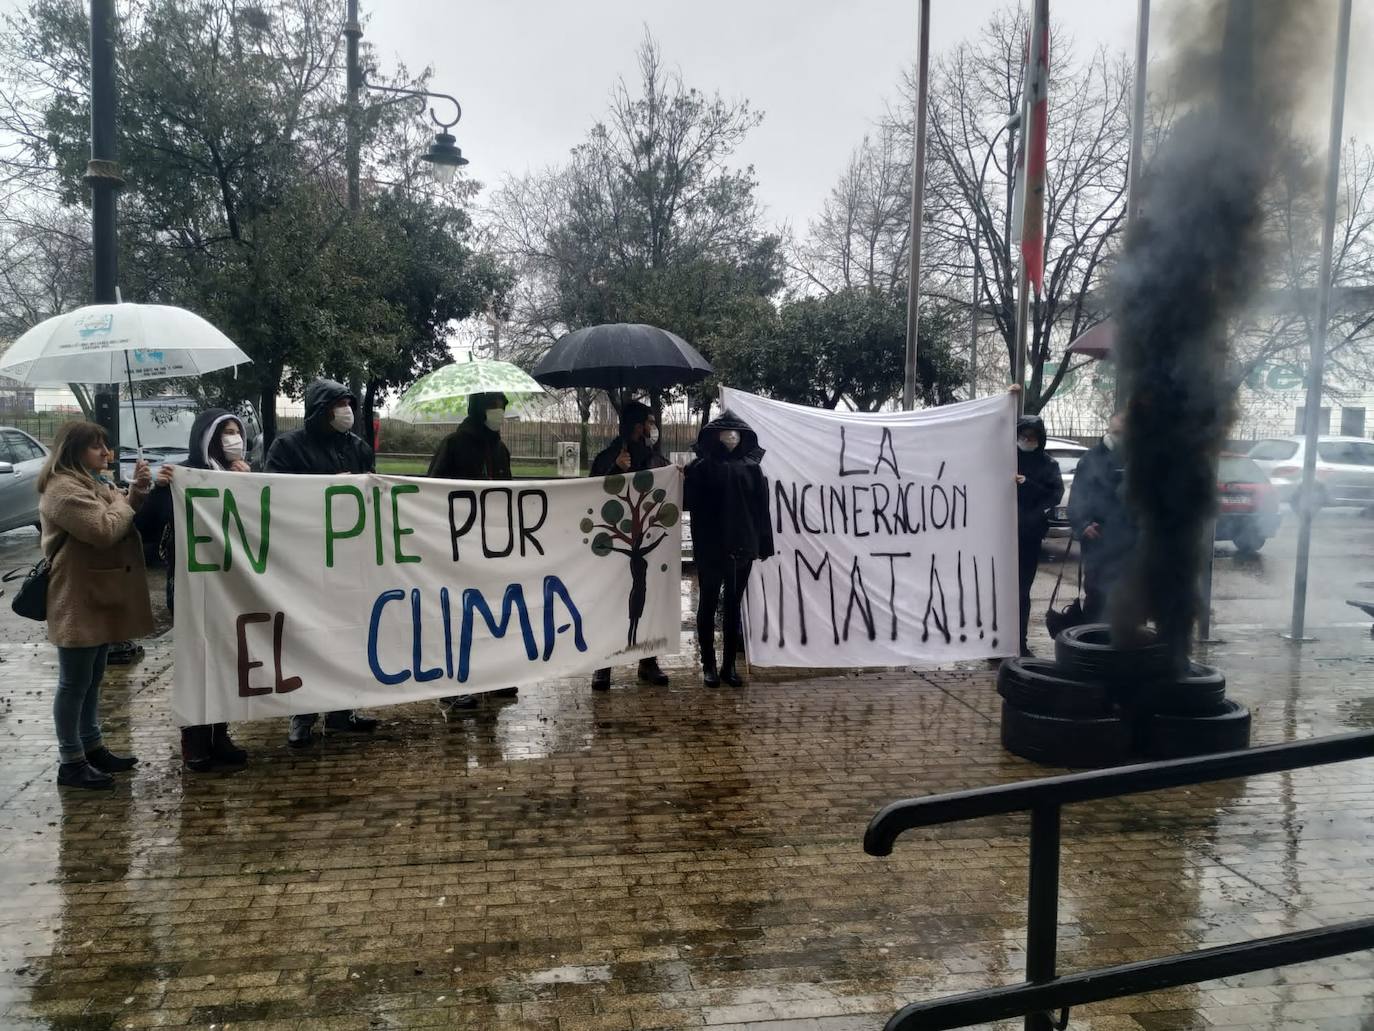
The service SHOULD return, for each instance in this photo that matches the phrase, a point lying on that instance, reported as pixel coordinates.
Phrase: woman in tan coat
(97, 590)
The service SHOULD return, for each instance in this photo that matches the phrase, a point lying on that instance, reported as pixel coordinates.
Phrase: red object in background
(1243, 489)
(376, 433)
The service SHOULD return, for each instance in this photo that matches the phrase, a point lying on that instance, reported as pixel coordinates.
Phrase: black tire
(1038, 685)
(1171, 736)
(1057, 741)
(1201, 690)
(1249, 541)
(1086, 653)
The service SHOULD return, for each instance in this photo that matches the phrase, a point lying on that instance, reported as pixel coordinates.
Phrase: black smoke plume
(1191, 264)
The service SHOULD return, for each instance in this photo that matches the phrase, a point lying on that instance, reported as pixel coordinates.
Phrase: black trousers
(1028, 563)
(714, 580)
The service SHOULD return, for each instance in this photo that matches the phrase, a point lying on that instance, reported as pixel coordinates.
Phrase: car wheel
(1061, 741)
(1201, 689)
(1086, 653)
(1038, 685)
(1249, 540)
(1224, 728)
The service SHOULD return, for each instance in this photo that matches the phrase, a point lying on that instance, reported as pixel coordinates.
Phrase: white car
(21, 459)
(1067, 453)
(1345, 469)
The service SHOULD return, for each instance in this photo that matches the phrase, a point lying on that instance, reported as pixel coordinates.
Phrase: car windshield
(1274, 450)
(1231, 469)
(162, 429)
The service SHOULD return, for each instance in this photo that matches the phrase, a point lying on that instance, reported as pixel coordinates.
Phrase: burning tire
(1039, 686)
(1087, 653)
(1061, 741)
(1172, 736)
(1202, 690)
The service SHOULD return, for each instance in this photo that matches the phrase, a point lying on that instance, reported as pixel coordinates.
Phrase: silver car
(1066, 453)
(21, 458)
(1345, 469)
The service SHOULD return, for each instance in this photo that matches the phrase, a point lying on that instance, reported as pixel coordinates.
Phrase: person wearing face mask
(475, 451)
(727, 495)
(1039, 487)
(217, 442)
(324, 446)
(1101, 518)
(634, 450)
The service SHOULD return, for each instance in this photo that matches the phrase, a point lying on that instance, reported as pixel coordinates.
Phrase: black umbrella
(622, 355)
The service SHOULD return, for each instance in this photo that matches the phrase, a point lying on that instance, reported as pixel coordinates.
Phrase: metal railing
(1044, 991)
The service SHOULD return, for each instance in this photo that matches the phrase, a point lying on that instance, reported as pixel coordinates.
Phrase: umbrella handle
(133, 408)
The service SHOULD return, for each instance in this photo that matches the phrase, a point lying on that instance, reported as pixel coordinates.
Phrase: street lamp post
(103, 177)
(444, 157)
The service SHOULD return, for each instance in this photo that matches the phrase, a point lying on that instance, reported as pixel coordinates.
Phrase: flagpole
(1035, 54)
(918, 182)
(1319, 327)
(1142, 57)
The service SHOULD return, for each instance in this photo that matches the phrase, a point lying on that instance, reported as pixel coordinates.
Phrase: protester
(1039, 487)
(635, 450)
(217, 442)
(727, 496)
(324, 446)
(475, 451)
(1101, 518)
(97, 590)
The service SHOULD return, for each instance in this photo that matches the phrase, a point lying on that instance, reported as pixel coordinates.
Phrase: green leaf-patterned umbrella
(442, 396)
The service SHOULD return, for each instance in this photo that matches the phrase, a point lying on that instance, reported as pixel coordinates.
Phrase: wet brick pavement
(652, 859)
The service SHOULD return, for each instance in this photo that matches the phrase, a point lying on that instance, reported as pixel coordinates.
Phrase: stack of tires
(1099, 705)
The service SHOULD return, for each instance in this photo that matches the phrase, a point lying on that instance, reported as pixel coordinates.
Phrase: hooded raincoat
(473, 451)
(317, 447)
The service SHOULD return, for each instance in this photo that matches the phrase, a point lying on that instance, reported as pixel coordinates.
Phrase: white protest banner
(895, 534)
(315, 593)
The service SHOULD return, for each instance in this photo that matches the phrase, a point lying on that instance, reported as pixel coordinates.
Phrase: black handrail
(1043, 990)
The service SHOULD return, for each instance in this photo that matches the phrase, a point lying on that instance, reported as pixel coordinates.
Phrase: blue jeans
(76, 708)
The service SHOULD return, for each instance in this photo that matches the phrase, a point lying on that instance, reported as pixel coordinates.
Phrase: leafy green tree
(848, 346)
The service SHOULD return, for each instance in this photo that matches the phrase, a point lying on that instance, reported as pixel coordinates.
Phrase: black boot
(346, 721)
(81, 774)
(195, 749)
(107, 762)
(731, 650)
(222, 748)
(650, 673)
(709, 676)
(601, 680)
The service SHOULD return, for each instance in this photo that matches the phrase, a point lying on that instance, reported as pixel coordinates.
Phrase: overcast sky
(533, 75)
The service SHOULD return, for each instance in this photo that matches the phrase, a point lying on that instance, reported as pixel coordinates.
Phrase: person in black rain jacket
(325, 446)
(475, 450)
(1039, 488)
(636, 449)
(726, 494)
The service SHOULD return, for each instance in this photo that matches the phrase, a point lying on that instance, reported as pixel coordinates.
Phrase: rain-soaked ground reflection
(651, 857)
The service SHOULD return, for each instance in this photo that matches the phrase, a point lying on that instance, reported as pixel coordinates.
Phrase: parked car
(1067, 453)
(1247, 504)
(21, 459)
(1345, 469)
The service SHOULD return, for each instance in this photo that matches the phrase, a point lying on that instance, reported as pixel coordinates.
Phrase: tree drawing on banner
(629, 518)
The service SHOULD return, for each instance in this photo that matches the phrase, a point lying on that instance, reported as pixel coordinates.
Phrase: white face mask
(232, 445)
(342, 419)
(1112, 440)
(652, 438)
(495, 418)
(730, 438)
(1026, 445)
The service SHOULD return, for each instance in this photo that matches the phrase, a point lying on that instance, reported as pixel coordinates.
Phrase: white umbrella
(104, 343)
